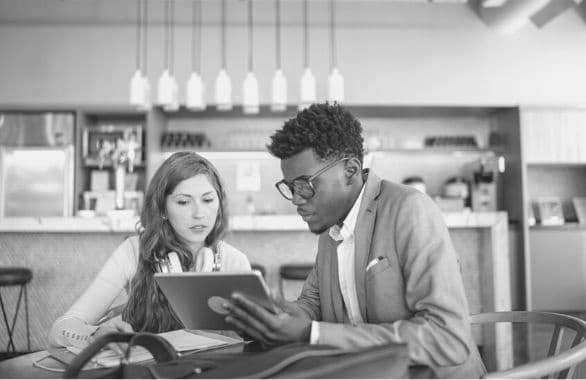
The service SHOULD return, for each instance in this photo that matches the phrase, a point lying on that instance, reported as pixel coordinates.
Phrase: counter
(65, 254)
(237, 223)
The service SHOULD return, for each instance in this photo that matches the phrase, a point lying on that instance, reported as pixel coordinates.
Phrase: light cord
(305, 35)
(250, 37)
(278, 33)
(145, 19)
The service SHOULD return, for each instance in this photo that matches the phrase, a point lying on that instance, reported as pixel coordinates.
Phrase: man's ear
(353, 167)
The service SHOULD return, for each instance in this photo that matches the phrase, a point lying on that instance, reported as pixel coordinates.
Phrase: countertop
(237, 223)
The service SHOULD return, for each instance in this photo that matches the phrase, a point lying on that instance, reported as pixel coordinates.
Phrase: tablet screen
(197, 298)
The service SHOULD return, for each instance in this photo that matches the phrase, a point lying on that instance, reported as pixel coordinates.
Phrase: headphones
(169, 264)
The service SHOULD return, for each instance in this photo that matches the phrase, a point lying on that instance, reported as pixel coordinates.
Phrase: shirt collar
(340, 233)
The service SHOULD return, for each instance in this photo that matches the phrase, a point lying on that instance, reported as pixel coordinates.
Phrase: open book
(181, 340)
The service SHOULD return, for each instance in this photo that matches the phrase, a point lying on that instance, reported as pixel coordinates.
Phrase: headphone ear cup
(174, 263)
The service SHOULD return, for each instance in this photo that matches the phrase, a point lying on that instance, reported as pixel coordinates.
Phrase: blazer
(413, 294)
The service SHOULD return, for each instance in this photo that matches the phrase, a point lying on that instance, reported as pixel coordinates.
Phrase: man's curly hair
(329, 129)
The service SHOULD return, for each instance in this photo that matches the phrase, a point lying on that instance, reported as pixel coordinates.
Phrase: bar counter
(66, 253)
(237, 223)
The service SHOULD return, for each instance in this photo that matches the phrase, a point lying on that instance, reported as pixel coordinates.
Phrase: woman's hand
(113, 325)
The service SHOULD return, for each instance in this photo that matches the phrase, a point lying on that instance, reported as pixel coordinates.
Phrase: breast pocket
(380, 266)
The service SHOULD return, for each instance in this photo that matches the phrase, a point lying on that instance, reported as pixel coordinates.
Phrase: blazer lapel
(335, 295)
(363, 236)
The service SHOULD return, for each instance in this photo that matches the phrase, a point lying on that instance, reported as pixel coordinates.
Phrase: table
(22, 366)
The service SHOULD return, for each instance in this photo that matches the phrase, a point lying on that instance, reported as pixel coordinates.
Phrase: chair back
(559, 363)
(293, 272)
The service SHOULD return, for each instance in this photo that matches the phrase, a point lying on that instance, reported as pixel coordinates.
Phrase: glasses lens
(303, 188)
(285, 190)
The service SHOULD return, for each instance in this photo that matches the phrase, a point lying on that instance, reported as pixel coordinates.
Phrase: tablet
(197, 298)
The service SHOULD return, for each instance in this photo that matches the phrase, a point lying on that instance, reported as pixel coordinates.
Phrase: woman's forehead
(196, 185)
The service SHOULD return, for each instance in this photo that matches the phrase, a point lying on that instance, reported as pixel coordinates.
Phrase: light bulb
(223, 91)
(195, 94)
(307, 89)
(137, 92)
(165, 89)
(279, 92)
(336, 86)
(250, 94)
(174, 103)
(146, 90)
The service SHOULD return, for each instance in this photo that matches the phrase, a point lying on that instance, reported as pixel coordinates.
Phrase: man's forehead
(303, 163)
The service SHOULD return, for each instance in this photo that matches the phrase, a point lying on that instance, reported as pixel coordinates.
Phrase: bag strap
(161, 350)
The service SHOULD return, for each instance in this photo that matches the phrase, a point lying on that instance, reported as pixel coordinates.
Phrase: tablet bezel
(188, 294)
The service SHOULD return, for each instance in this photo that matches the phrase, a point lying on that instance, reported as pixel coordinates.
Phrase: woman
(182, 222)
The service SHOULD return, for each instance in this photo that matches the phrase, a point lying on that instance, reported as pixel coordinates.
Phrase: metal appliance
(36, 163)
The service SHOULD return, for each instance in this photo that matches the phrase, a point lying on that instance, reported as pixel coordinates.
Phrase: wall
(389, 53)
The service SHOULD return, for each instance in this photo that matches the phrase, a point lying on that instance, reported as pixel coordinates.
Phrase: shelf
(360, 111)
(108, 163)
(450, 150)
(558, 164)
(569, 226)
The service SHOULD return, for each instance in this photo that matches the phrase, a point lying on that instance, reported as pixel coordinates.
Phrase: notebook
(181, 340)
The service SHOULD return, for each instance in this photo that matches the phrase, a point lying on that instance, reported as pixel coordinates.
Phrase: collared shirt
(346, 274)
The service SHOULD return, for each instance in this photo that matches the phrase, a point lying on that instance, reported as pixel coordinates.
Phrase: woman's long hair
(147, 308)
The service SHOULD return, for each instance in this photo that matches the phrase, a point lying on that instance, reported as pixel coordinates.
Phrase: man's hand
(290, 325)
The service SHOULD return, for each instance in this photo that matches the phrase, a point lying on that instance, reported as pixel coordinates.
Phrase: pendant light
(174, 105)
(195, 94)
(307, 93)
(147, 84)
(335, 80)
(279, 84)
(250, 102)
(167, 86)
(223, 84)
(139, 84)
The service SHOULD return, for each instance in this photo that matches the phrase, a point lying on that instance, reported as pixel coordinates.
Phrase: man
(386, 270)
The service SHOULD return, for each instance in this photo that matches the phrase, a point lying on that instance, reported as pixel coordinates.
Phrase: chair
(259, 268)
(294, 272)
(14, 276)
(558, 363)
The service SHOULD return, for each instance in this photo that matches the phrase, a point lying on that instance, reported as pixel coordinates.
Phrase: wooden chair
(558, 363)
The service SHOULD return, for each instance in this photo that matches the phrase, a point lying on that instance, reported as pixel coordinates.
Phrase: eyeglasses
(302, 185)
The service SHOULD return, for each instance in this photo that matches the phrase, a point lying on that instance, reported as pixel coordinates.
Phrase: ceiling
(501, 15)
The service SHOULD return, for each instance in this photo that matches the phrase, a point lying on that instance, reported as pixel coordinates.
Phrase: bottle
(250, 205)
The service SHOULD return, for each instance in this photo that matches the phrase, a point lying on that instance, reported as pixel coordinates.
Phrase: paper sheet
(181, 340)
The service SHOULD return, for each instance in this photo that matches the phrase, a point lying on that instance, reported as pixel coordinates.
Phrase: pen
(374, 262)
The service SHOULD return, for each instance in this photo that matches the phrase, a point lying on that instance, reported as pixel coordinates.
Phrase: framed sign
(580, 208)
(550, 211)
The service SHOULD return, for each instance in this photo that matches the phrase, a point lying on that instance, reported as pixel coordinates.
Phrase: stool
(295, 272)
(13, 276)
(259, 268)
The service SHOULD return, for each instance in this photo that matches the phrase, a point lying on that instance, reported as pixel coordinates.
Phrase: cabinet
(558, 268)
(111, 166)
(554, 149)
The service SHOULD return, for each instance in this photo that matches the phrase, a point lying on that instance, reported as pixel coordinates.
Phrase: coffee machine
(484, 183)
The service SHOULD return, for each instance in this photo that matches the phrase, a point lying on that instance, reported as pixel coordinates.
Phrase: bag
(295, 360)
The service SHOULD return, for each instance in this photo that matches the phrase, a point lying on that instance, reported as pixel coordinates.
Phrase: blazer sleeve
(309, 299)
(438, 330)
